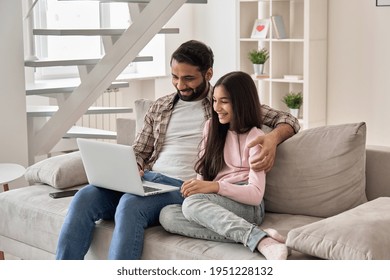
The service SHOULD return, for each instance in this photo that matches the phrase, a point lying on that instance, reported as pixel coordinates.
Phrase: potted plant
(258, 58)
(294, 101)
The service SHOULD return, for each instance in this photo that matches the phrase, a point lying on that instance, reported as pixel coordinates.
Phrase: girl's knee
(190, 206)
(168, 215)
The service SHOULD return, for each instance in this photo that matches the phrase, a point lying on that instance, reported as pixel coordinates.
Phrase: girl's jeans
(215, 217)
(132, 215)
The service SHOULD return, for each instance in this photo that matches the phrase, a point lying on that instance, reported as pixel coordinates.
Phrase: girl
(225, 202)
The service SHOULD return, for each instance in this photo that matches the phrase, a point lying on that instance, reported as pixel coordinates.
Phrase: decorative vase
(258, 69)
(294, 112)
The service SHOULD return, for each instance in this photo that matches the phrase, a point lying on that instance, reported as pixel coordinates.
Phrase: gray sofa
(328, 193)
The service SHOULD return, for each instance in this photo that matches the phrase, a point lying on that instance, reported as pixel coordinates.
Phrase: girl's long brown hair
(246, 106)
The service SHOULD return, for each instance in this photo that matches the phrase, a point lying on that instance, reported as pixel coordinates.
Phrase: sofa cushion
(319, 172)
(141, 106)
(360, 233)
(31, 216)
(60, 172)
(35, 225)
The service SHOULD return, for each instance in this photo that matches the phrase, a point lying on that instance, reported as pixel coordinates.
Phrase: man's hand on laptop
(141, 171)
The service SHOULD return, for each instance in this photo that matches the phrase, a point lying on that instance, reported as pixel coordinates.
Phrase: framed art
(260, 29)
(382, 3)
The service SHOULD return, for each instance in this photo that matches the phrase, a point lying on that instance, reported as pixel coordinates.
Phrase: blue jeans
(132, 215)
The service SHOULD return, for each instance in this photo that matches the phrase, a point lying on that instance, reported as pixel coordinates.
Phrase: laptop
(114, 166)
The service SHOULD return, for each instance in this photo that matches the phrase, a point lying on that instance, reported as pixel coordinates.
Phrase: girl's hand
(194, 186)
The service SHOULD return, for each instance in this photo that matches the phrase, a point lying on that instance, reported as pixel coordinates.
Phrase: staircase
(52, 128)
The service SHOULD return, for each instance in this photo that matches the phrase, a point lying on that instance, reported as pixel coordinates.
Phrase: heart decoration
(260, 27)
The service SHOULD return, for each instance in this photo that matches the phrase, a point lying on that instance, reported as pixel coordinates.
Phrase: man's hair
(195, 53)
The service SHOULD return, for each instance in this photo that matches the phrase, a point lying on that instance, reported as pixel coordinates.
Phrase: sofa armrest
(125, 128)
(377, 171)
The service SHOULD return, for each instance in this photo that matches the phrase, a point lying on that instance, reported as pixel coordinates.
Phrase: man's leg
(89, 205)
(133, 215)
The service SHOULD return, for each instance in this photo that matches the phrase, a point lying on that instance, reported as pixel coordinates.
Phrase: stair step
(68, 87)
(139, 1)
(87, 132)
(45, 62)
(47, 111)
(93, 32)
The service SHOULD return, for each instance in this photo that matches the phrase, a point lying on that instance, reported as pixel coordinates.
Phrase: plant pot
(258, 69)
(294, 112)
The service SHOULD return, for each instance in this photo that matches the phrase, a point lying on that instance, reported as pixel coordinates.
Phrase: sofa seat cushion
(360, 233)
(160, 244)
(319, 172)
(29, 216)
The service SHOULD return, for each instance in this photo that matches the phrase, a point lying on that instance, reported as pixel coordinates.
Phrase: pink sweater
(236, 171)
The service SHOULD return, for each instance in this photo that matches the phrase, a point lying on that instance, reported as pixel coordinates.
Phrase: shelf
(288, 40)
(291, 81)
(265, 79)
(253, 40)
(272, 40)
(302, 52)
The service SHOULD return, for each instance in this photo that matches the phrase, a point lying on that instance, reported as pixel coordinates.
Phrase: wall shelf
(303, 52)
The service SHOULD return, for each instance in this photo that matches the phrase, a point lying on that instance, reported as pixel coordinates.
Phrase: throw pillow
(361, 233)
(60, 172)
(141, 107)
(319, 172)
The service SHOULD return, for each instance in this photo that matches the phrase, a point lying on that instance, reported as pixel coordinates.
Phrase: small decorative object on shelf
(278, 24)
(293, 77)
(294, 101)
(260, 29)
(258, 58)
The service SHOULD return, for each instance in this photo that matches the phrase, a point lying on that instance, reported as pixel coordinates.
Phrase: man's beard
(196, 93)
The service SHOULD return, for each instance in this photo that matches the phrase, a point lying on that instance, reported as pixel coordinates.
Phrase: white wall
(13, 126)
(206, 23)
(359, 66)
(216, 25)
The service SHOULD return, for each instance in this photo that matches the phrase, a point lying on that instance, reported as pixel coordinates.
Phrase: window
(53, 14)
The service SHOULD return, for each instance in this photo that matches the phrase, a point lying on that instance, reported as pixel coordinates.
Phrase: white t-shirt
(184, 133)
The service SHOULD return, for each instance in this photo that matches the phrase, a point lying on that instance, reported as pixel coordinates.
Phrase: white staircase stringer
(144, 27)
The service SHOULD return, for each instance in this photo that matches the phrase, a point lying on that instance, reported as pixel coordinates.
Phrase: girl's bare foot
(275, 235)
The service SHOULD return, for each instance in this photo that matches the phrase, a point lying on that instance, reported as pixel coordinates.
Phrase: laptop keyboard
(150, 189)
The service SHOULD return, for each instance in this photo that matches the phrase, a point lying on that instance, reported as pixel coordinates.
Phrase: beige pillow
(61, 172)
(141, 108)
(362, 233)
(319, 172)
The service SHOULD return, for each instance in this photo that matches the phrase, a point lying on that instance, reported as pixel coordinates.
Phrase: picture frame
(260, 29)
(381, 3)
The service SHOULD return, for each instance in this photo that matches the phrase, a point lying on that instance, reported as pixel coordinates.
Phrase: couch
(328, 193)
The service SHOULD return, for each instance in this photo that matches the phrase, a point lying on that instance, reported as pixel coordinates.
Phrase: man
(166, 151)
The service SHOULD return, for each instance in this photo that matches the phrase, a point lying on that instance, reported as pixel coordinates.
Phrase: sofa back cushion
(319, 172)
(141, 107)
